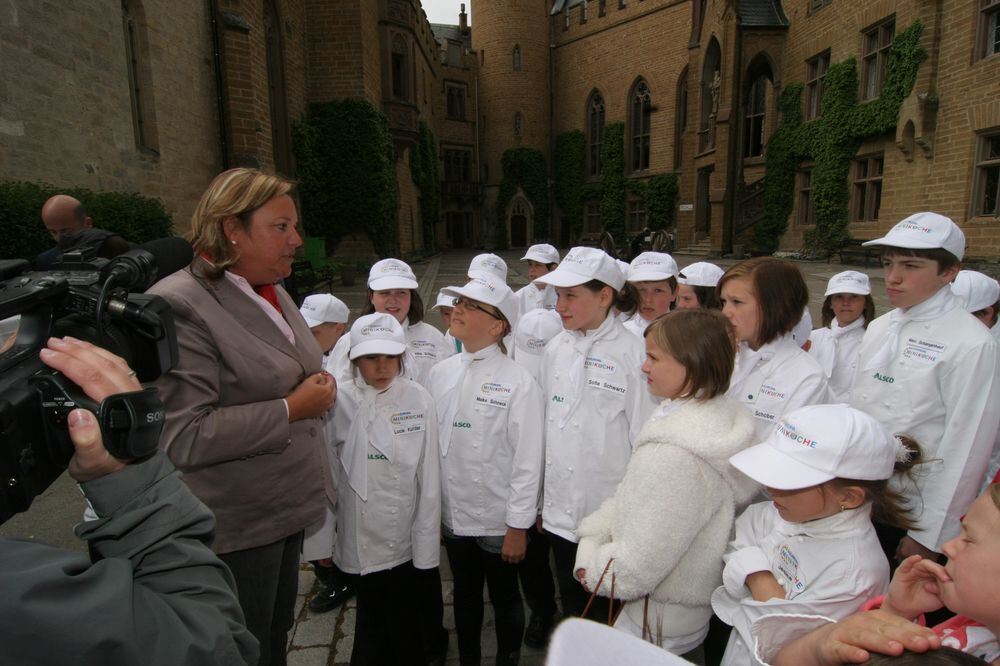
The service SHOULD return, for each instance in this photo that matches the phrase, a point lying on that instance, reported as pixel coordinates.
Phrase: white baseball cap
(802, 329)
(543, 254)
(490, 291)
(324, 308)
(977, 291)
(925, 231)
(816, 444)
(700, 274)
(624, 267)
(583, 264)
(377, 333)
(391, 274)
(488, 266)
(652, 266)
(849, 282)
(535, 329)
(444, 300)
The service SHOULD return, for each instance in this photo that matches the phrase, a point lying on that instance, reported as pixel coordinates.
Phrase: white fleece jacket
(669, 522)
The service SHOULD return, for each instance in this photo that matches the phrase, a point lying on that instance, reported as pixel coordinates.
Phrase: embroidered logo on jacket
(884, 378)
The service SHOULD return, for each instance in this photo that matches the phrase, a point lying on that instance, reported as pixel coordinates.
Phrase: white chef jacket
(401, 519)
(843, 351)
(425, 346)
(942, 388)
(636, 325)
(530, 297)
(588, 448)
(492, 469)
(782, 379)
(830, 566)
(452, 345)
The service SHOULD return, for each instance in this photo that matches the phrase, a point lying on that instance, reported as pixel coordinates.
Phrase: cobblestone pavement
(328, 638)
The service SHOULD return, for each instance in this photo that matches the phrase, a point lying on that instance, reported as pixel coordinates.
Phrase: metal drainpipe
(735, 129)
(479, 164)
(220, 97)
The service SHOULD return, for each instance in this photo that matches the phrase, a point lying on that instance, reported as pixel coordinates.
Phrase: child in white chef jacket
(534, 331)
(813, 549)
(696, 286)
(981, 295)
(542, 259)
(384, 435)
(444, 306)
(847, 311)
(490, 423)
(595, 404)
(764, 298)
(929, 369)
(326, 316)
(392, 289)
(654, 276)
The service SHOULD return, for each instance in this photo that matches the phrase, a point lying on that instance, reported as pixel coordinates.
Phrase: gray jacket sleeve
(156, 595)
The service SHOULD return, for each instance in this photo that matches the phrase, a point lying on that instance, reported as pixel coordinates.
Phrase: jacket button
(570, 468)
(393, 512)
(575, 424)
(549, 461)
(549, 503)
(312, 432)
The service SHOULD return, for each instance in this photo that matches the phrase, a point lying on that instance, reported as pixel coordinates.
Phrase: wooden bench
(854, 252)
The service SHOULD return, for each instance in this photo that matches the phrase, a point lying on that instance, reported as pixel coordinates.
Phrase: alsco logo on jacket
(884, 378)
(461, 424)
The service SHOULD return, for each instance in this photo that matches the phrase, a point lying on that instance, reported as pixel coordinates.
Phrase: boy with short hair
(326, 316)
(929, 369)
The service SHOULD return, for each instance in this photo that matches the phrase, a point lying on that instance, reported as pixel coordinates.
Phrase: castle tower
(511, 39)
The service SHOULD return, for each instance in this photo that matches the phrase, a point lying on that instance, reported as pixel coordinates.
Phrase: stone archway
(520, 221)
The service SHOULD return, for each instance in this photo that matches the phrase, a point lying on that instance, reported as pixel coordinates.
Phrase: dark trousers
(387, 631)
(431, 615)
(267, 580)
(471, 566)
(536, 576)
(574, 596)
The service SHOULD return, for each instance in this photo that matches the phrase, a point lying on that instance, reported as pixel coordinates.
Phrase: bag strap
(593, 595)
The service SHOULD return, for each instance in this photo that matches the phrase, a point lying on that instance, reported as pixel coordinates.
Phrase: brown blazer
(226, 426)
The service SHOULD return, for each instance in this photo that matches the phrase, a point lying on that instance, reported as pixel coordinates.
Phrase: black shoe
(510, 659)
(440, 650)
(330, 597)
(538, 631)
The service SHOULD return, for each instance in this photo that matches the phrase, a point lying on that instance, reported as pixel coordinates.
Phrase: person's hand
(908, 547)
(99, 373)
(515, 545)
(763, 586)
(915, 588)
(581, 575)
(853, 639)
(312, 398)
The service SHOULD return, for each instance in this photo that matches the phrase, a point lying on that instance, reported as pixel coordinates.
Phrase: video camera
(92, 299)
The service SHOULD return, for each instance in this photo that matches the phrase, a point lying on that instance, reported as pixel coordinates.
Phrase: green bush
(613, 184)
(132, 216)
(660, 197)
(424, 170)
(346, 172)
(569, 177)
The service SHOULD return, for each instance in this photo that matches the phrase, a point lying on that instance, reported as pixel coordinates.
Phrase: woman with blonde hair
(246, 400)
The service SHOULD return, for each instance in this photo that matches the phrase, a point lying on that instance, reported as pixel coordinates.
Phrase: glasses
(472, 305)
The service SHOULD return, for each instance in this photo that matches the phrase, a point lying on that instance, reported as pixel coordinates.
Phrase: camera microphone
(140, 268)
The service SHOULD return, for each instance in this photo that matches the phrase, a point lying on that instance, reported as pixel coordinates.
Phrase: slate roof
(761, 14)
(444, 32)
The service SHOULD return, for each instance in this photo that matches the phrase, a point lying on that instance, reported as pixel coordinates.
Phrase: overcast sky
(446, 11)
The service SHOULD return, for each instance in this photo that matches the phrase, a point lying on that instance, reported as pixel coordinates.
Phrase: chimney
(463, 20)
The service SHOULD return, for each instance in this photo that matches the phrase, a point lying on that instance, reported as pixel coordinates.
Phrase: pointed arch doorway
(520, 221)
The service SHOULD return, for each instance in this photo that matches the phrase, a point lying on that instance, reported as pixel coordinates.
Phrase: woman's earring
(233, 242)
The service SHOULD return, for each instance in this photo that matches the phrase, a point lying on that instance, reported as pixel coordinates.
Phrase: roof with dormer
(444, 32)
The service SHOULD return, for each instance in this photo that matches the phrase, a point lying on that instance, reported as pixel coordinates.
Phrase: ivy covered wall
(424, 171)
(525, 168)
(346, 172)
(831, 142)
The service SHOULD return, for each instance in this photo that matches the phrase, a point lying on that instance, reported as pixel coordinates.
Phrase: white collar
(841, 524)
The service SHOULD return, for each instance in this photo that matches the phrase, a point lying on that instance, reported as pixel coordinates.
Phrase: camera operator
(155, 594)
